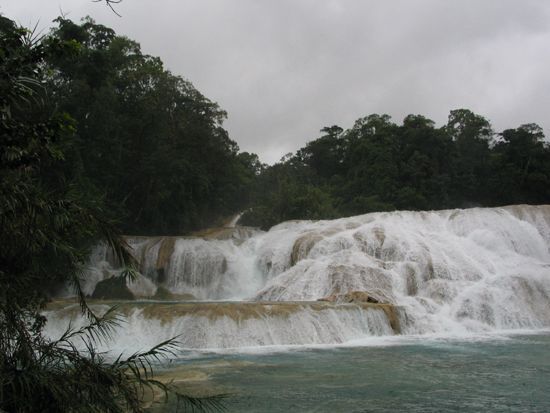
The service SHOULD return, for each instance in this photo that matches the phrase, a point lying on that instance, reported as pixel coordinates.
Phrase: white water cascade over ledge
(476, 270)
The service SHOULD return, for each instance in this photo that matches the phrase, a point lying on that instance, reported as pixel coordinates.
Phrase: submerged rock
(312, 279)
(351, 297)
(302, 247)
(165, 294)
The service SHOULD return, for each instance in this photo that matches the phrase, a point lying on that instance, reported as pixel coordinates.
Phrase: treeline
(146, 144)
(378, 165)
(151, 152)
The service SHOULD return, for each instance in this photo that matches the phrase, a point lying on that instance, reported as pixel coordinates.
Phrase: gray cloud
(284, 69)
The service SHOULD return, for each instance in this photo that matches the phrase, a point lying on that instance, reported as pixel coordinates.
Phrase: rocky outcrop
(166, 250)
(302, 247)
(114, 288)
(237, 234)
(313, 279)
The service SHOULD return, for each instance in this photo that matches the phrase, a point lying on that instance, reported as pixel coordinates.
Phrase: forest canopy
(378, 165)
(152, 151)
(148, 143)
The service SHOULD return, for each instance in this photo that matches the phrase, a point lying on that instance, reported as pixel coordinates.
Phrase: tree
(378, 166)
(520, 166)
(147, 140)
(471, 135)
(371, 161)
(46, 227)
(425, 162)
(325, 154)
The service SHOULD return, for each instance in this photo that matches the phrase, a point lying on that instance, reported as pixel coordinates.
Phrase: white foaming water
(213, 269)
(451, 272)
(207, 269)
(225, 326)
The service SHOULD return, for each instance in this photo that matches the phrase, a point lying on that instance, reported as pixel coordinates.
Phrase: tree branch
(110, 4)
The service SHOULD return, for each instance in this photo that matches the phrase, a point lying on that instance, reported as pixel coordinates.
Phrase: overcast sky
(283, 69)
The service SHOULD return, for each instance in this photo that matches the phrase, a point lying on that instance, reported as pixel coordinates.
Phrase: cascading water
(217, 325)
(448, 272)
(452, 271)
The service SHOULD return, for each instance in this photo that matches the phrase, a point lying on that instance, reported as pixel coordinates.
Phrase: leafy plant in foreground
(47, 223)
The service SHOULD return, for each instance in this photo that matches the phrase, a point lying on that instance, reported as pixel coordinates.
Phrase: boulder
(113, 288)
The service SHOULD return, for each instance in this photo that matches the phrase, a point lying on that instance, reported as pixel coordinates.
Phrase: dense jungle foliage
(152, 151)
(378, 165)
(146, 142)
(49, 217)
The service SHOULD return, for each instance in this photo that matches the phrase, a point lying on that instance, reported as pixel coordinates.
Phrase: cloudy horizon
(285, 69)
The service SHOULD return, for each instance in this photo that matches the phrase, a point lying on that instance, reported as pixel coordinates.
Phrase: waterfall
(456, 270)
(235, 325)
(448, 272)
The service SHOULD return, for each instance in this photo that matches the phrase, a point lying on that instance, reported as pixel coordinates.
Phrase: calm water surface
(500, 374)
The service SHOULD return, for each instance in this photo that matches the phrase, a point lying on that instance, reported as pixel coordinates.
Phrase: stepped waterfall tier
(217, 325)
(468, 271)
